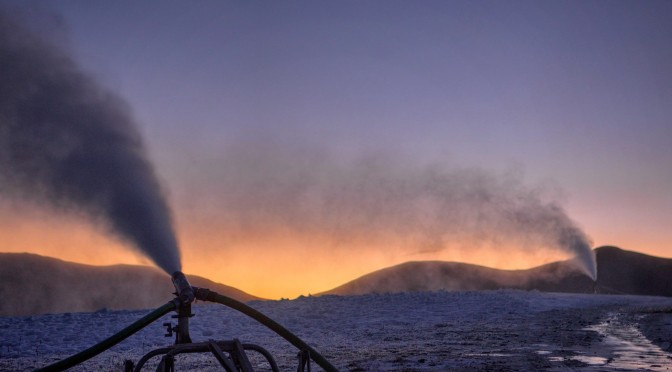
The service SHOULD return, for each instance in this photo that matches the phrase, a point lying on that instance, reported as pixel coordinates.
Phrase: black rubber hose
(111, 341)
(208, 295)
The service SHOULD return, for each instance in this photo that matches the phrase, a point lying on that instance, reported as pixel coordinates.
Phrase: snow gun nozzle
(183, 290)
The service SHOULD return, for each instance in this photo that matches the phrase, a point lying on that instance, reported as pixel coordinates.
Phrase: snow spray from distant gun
(66, 141)
(382, 200)
(576, 240)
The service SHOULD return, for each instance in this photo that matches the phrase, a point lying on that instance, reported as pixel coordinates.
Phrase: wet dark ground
(656, 325)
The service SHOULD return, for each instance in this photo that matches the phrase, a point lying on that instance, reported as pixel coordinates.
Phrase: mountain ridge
(619, 271)
(33, 284)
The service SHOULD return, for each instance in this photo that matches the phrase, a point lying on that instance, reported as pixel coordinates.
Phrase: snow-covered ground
(497, 330)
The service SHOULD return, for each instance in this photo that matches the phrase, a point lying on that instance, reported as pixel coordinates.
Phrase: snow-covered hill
(620, 272)
(37, 285)
(429, 331)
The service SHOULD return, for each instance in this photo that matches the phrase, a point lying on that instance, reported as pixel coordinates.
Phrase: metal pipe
(185, 295)
(183, 289)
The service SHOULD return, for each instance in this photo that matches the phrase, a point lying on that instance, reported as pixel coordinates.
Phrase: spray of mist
(380, 199)
(66, 141)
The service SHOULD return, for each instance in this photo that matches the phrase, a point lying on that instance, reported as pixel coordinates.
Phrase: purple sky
(575, 94)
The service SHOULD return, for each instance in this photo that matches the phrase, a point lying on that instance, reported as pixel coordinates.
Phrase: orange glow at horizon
(273, 267)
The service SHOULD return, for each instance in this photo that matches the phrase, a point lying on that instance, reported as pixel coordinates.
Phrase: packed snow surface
(431, 331)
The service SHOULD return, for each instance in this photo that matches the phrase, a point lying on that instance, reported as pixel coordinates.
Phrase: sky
(251, 110)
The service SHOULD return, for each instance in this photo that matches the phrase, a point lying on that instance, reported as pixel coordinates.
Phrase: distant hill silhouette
(619, 272)
(32, 284)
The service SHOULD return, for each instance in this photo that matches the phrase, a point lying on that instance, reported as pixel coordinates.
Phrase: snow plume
(380, 200)
(67, 142)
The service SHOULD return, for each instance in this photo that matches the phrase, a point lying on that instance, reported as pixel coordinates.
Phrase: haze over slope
(619, 271)
(32, 284)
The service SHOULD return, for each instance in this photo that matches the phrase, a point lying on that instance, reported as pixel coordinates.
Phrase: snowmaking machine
(231, 354)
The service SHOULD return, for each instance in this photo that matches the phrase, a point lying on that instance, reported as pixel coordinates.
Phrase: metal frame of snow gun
(230, 354)
(236, 361)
